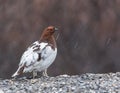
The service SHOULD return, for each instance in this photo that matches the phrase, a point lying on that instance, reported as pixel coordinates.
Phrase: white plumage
(31, 55)
(38, 57)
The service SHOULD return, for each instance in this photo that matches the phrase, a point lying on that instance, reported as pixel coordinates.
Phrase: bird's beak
(56, 29)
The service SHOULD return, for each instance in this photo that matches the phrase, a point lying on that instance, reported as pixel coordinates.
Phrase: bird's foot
(44, 76)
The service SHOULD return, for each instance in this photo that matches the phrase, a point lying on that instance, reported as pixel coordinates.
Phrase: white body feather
(31, 55)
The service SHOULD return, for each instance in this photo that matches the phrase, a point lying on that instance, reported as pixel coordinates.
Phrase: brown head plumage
(48, 32)
(48, 36)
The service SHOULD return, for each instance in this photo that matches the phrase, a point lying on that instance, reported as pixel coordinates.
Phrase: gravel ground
(85, 83)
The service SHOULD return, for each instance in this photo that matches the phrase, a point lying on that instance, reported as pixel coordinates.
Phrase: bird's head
(50, 30)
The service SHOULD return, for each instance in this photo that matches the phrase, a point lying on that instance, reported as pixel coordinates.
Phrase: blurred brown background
(89, 36)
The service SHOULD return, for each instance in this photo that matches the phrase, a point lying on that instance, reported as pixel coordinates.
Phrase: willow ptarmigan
(39, 55)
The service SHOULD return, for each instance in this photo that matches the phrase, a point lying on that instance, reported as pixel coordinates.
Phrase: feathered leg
(34, 74)
(45, 73)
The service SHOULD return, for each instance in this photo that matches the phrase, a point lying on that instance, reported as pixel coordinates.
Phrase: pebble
(85, 83)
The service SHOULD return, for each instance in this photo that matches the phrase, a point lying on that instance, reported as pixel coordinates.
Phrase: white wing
(32, 54)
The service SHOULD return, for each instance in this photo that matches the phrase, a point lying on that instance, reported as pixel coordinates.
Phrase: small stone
(1, 91)
(34, 81)
(86, 83)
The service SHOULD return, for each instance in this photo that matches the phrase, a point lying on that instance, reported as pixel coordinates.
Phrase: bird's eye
(50, 30)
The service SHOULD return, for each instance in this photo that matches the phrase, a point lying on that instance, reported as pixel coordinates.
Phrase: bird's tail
(18, 72)
(15, 74)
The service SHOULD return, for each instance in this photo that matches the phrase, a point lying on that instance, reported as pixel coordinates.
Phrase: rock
(85, 83)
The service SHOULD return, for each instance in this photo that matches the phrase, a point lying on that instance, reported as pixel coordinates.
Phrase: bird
(39, 55)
